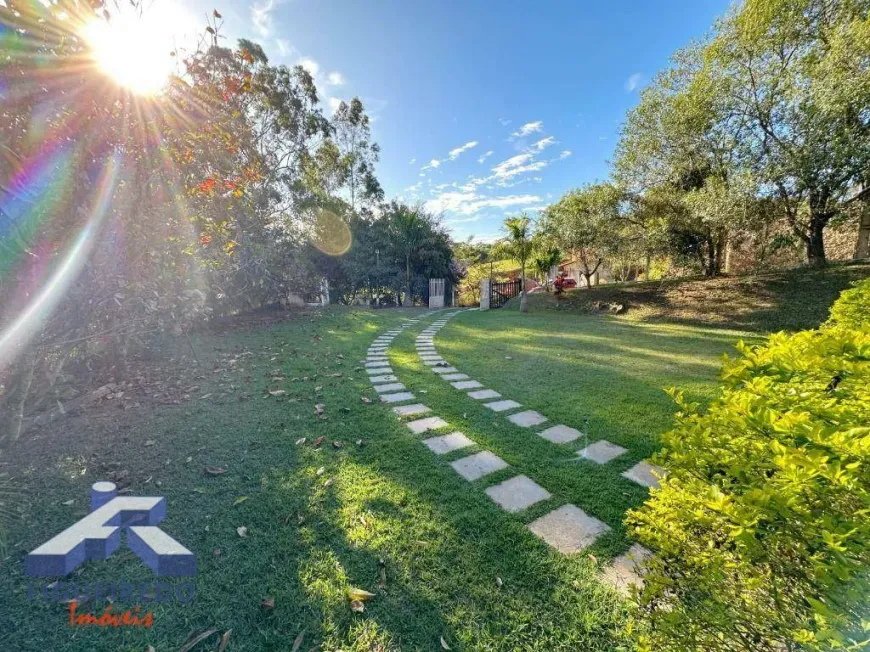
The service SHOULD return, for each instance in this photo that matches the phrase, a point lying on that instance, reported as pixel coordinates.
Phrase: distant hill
(791, 300)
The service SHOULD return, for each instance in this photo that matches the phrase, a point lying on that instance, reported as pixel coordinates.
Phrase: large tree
(792, 82)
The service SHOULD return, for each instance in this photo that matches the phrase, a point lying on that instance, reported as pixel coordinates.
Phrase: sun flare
(134, 49)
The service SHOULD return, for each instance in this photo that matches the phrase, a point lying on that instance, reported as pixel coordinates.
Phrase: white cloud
(504, 122)
(528, 128)
(412, 161)
(485, 156)
(284, 46)
(565, 154)
(633, 82)
(310, 65)
(512, 162)
(261, 17)
(434, 163)
(536, 209)
(335, 78)
(454, 153)
(544, 143)
(468, 203)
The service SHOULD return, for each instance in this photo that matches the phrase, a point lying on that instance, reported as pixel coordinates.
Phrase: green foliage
(761, 531)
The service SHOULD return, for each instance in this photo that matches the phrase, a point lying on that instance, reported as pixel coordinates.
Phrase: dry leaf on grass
(277, 392)
(268, 602)
(319, 408)
(321, 471)
(318, 441)
(359, 594)
(498, 582)
(337, 444)
(193, 642)
(242, 530)
(357, 606)
(214, 470)
(240, 500)
(365, 399)
(225, 640)
(444, 644)
(298, 642)
(301, 441)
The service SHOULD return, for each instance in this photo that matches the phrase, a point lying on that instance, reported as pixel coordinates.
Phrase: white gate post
(485, 288)
(436, 293)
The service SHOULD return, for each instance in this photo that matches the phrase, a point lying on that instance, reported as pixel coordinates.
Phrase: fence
(501, 293)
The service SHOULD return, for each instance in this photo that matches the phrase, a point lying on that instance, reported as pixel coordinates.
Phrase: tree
(359, 153)
(544, 260)
(518, 245)
(793, 88)
(409, 229)
(585, 223)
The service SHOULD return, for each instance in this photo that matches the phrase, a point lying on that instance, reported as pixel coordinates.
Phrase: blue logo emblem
(98, 535)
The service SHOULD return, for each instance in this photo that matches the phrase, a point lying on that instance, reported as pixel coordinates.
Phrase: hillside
(790, 300)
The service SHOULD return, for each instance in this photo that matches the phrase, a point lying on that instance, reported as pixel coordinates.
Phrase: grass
(388, 505)
(789, 300)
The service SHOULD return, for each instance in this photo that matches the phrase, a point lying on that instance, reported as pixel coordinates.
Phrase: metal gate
(501, 293)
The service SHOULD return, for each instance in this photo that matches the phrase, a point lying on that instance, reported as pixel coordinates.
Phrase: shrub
(761, 529)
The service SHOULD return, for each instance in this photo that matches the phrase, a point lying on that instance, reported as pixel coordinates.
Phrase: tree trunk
(646, 267)
(816, 242)
(721, 251)
(862, 249)
(588, 277)
(408, 280)
(523, 304)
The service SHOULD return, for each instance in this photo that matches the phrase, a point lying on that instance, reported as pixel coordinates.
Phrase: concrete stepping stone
(447, 443)
(374, 371)
(411, 410)
(428, 423)
(478, 465)
(517, 493)
(642, 473)
(560, 434)
(389, 378)
(430, 356)
(397, 398)
(501, 406)
(527, 419)
(568, 529)
(602, 451)
(627, 570)
(377, 358)
(389, 387)
(455, 376)
(482, 394)
(380, 363)
(432, 363)
(444, 370)
(467, 384)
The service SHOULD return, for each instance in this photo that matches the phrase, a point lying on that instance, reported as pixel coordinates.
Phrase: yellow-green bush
(762, 528)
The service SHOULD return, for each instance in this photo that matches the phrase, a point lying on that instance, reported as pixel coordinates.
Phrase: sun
(134, 48)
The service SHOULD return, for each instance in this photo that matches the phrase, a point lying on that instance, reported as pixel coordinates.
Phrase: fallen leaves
(193, 642)
(321, 471)
(215, 470)
(225, 639)
(359, 594)
(301, 441)
(276, 392)
(444, 644)
(298, 642)
(319, 409)
(242, 531)
(357, 606)
(338, 444)
(239, 500)
(268, 603)
(319, 441)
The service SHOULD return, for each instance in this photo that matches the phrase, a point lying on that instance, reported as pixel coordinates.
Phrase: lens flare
(331, 234)
(28, 324)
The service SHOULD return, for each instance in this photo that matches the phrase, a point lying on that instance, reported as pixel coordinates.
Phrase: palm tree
(518, 245)
(409, 228)
(544, 262)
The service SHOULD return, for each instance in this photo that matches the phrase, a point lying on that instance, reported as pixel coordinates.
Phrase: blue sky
(481, 108)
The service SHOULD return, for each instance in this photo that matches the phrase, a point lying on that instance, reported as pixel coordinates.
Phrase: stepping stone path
(447, 443)
(645, 474)
(527, 419)
(501, 406)
(627, 570)
(559, 434)
(478, 465)
(601, 451)
(517, 493)
(429, 423)
(568, 528)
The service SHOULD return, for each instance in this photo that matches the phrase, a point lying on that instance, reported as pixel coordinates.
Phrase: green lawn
(443, 543)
